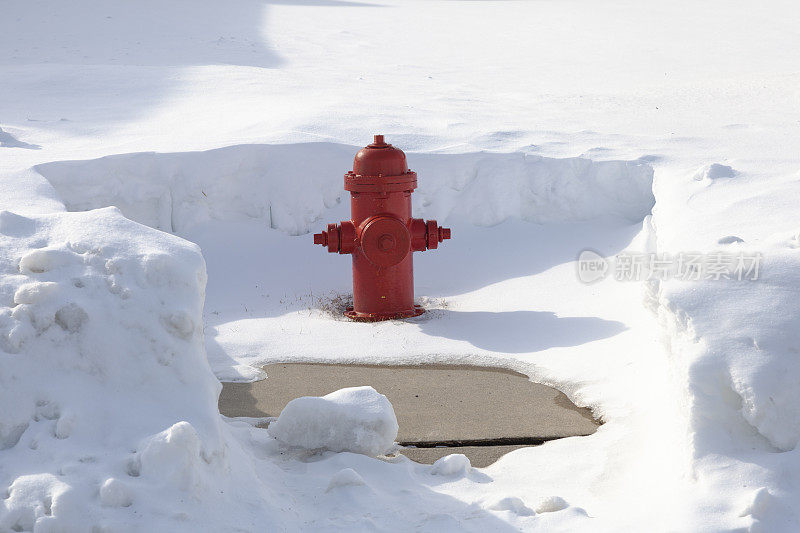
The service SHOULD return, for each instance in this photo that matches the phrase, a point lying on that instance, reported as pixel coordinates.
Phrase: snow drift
(734, 343)
(740, 351)
(734, 348)
(291, 187)
(108, 401)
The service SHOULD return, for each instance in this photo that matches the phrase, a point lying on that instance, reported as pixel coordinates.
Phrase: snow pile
(347, 477)
(355, 419)
(551, 504)
(512, 504)
(451, 465)
(735, 350)
(742, 351)
(714, 171)
(286, 187)
(109, 407)
(290, 187)
(488, 189)
(734, 342)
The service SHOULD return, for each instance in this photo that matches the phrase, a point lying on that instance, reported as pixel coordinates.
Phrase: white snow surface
(354, 419)
(264, 183)
(538, 129)
(108, 402)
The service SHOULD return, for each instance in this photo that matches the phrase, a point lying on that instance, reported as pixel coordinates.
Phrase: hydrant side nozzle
(347, 237)
(433, 234)
(339, 238)
(426, 234)
(419, 234)
(329, 239)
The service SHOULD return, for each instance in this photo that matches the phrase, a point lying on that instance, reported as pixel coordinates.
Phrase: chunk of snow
(451, 465)
(551, 504)
(355, 419)
(30, 499)
(115, 493)
(173, 455)
(347, 477)
(714, 171)
(44, 260)
(512, 504)
(30, 293)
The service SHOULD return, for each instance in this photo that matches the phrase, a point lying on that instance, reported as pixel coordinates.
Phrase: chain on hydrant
(381, 235)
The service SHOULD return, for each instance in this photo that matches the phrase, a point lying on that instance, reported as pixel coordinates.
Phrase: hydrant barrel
(381, 235)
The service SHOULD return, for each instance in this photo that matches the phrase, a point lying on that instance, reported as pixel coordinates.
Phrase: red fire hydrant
(381, 235)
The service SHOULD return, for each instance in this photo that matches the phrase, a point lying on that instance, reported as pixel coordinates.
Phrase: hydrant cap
(380, 159)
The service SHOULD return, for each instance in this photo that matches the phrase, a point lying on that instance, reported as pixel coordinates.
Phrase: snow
(714, 171)
(551, 505)
(92, 371)
(115, 493)
(539, 130)
(451, 465)
(354, 419)
(347, 477)
(264, 184)
(513, 505)
(734, 343)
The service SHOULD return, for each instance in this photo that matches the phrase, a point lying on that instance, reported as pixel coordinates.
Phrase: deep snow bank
(109, 417)
(742, 349)
(735, 348)
(735, 343)
(290, 187)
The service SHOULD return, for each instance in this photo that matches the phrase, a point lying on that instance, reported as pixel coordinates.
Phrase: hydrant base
(377, 317)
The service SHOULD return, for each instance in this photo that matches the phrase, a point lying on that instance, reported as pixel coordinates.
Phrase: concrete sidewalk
(481, 412)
